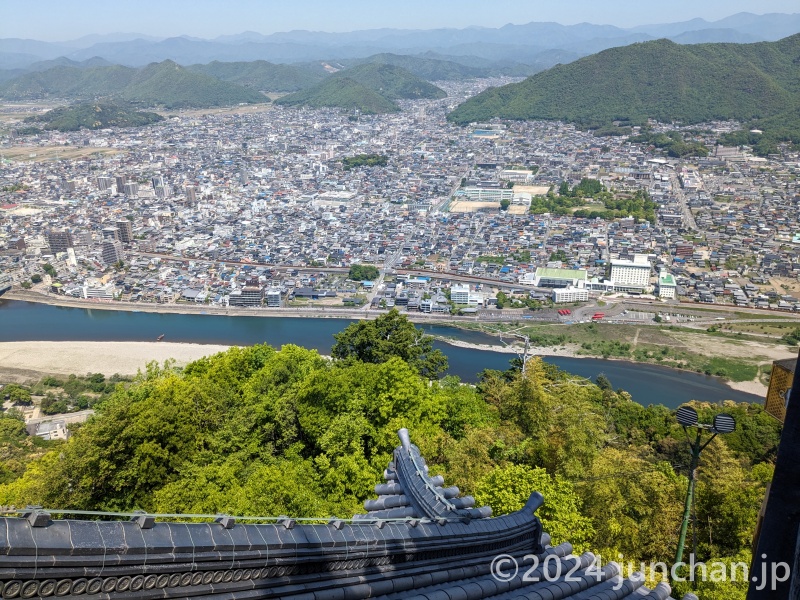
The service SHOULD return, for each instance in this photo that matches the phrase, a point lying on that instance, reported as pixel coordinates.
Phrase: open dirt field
(43, 153)
(534, 190)
(469, 206)
(715, 346)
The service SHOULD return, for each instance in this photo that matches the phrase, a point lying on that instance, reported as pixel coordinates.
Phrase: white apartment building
(273, 297)
(666, 285)
(480, 194)
(459, 294)
(631, 276)
(570, 294)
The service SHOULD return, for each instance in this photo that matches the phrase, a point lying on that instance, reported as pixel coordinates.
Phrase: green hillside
(159, 84)
(173, 86)
(341, 92)
(68, 82)
(659, 79)
(93, 116)
(430, 69)
(261, 75)
(391, 81)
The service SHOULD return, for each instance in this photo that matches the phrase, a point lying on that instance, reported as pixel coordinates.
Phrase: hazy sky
(69, 19)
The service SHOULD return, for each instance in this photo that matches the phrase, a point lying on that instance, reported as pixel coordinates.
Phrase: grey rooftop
(418, 540)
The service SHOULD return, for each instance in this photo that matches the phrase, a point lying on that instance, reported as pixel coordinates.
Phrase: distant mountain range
(369, 88)
(515, 43)
(165, 84)
(752, 83)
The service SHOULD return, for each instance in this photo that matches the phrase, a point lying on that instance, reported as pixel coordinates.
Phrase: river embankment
(469, 351)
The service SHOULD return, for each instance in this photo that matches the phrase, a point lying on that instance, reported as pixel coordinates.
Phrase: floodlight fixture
(687, 416)
(723, 423)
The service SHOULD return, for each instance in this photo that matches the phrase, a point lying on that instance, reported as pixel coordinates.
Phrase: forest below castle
(266, 432)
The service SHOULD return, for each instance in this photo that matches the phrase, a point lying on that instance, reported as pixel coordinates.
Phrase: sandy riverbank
(21, 361)
(565, 351)
(27, 362)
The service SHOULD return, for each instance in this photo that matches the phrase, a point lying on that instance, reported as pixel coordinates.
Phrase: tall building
(120, 183)
(158, 182)
(59, 241)
(104, 183)
(631, 276)
(273, 297)
(110, 233)
(112, 251)
(191, 194)
(459, 294)
(131, 189)
(125, 230)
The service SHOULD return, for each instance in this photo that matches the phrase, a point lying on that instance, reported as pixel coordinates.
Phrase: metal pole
(777, 542)
(696, 448)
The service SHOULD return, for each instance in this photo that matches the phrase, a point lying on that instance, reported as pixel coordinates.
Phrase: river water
(28, 321)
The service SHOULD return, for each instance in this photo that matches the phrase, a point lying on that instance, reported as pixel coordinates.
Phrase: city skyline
(51, 20)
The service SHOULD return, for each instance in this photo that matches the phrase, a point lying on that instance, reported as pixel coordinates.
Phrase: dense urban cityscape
(253, 207)
(263, 292)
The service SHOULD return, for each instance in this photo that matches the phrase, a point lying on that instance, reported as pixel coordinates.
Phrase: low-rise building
(570, 294)
(666, 285)
(559, 278)
(273, 298)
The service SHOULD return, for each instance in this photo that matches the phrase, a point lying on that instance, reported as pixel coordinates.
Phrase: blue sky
(54, 20)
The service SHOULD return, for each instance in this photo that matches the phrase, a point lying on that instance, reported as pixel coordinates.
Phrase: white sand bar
(124, 358)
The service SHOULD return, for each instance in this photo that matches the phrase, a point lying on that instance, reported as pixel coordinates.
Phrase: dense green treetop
(259, 431)
(390, 335)
(674, 142)
(363, 273)
(364, 160)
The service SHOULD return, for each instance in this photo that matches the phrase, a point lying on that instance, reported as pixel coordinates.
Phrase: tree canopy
(390, 335)
(265, 432)
(363, 273)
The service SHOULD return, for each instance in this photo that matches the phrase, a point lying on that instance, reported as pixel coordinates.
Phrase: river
(29, 321)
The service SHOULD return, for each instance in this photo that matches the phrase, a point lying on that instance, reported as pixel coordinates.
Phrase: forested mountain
(258, 431)
(158, 84)
(261, 75)
(370, 88)
(391, 81)
(660, 80)
(429, 69)
(341, 92)
(93, 116)
(7, 74)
